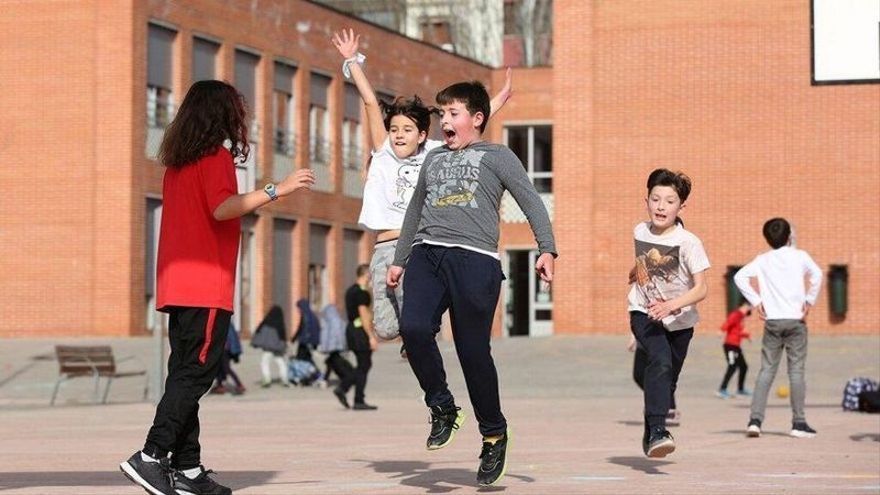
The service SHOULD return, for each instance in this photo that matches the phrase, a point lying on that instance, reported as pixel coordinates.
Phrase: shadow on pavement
(435, 480)
(643, 464)
(861, 437)
(36, 479)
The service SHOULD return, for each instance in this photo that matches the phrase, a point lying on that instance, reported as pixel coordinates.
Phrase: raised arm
(501, 98)
(347, 43)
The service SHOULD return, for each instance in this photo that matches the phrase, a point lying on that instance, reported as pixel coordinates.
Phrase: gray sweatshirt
(457, 197)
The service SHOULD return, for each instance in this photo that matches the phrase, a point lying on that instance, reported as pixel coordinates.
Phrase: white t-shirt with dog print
(390, 185)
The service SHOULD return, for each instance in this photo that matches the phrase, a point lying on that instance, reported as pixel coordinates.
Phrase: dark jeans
(640, 362)
(666, 352)
(359, 377)
(468, 284)
(198, 340)
(735, 361)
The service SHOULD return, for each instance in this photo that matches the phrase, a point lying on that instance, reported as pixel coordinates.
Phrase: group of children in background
(434, 208)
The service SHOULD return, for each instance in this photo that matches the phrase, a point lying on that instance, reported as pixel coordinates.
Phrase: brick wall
(721, 91)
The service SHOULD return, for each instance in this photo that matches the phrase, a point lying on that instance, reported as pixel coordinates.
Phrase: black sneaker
(493, 461)
(200, 485)
(754, 428)
(658, 442)
(340, 394)
(802, 430)
(444, 423)
(154, 477)
(363, 406)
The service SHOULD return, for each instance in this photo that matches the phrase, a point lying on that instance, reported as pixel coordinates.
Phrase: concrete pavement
(571, 403)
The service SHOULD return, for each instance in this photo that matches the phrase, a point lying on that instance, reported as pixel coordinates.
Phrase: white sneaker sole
(753, 432)
(802, 434)
(662, 449)
(132, 475)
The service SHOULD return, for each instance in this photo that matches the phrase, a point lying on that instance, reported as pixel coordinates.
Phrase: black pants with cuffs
(666, 352)
(468, 284)
(735, 361)
(198, 340)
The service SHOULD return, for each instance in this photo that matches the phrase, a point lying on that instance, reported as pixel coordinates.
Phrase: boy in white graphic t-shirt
(398, 138)
(669, 281)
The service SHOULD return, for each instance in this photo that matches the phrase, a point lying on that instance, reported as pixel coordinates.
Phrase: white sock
(146, 458)
(192, 473)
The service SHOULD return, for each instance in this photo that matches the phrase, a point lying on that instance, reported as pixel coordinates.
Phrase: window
(319, 122)
(318, 275)
(282, 266)
(534, 147)
(437, 32)
(283, 120)
(352, 136)
(160, 96)
(151, 247)
(204, 59)
(351, 255)
(246, 83)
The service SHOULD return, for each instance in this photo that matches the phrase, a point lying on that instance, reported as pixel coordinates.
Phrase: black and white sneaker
(658, 442)
(152, 476)
(493, 461)
(754, 428)
(200, 485)
(444, 424)
(802, 430)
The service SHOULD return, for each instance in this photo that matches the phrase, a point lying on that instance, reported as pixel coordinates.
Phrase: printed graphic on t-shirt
(453, 180)
(657, 270)
(407, 176)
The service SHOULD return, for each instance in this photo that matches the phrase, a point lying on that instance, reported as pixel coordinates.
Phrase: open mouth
(449, 134)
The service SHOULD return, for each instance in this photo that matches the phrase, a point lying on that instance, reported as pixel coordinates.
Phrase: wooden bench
(91, 361)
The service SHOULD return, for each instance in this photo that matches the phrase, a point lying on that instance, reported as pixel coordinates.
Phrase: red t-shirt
(734, 328)
(197, 254)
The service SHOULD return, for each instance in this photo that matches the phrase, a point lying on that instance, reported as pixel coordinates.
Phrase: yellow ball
(782, 391)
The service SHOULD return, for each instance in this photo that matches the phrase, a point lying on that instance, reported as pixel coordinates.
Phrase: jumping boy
(783, 300)
(449, 246)
(670, 279)
(399, 140)
(734, 332)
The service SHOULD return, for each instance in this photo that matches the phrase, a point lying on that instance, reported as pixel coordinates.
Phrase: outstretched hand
(347, 43)
(302, 178)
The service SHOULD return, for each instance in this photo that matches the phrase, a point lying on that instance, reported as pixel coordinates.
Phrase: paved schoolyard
(573, 408)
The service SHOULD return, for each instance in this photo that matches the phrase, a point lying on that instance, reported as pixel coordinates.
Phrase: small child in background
(734, 333)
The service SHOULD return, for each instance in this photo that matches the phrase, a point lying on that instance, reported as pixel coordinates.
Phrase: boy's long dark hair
(411, 108)
(211, 112)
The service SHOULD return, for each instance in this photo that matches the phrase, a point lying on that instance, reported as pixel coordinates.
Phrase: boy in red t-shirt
(734, 333)
(195, 276)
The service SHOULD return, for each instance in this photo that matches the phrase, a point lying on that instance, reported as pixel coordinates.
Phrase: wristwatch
(269, 189)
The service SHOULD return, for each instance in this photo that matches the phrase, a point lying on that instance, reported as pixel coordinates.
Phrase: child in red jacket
(734, 333)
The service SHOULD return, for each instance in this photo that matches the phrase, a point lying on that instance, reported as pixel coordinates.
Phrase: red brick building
(720, 90)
